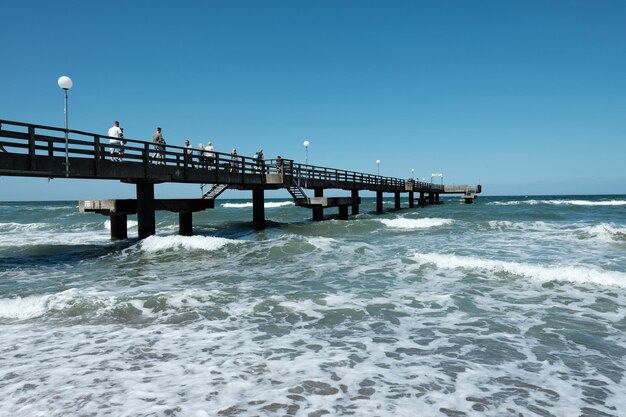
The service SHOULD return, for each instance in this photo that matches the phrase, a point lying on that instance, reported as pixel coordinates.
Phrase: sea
(511, 306)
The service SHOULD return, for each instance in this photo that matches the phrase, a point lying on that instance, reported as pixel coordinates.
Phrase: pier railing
(33, 141)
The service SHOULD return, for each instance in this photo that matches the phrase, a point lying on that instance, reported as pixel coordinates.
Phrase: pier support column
(145, 210)
(431, 198)
(422, 199)
(119, 231)
(397, 200)
(379, 202)
(318, 212)
(185, 221)
(343, 212)
(437, 198)
(411, 199)
(355, 202)
(258, 208)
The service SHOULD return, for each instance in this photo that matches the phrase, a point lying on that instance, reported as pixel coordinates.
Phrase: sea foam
(576, 274)
(268, 204)
(559, 202)
(34, 306)
(205, 243)
(411, 224)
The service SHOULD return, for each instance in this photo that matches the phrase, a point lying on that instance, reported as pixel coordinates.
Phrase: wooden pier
(30, 150)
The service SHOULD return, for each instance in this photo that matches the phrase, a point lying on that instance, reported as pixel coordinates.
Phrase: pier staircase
(298, 194)
(215, 191)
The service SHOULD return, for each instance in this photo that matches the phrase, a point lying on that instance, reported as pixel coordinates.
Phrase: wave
(412, 224)
(603, 232)
(560, 202)
(34, 306)
(576, 274)
(269, 204)
(205, 243)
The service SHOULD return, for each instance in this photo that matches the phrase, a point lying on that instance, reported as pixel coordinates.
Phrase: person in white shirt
(189, 154)
(115, 135)
(209, 154)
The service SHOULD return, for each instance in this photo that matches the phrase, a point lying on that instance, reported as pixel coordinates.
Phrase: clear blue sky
(529, 97)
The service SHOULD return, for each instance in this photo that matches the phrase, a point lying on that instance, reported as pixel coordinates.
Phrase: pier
(30, 150)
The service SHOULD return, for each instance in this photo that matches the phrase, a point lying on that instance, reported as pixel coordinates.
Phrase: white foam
(129, 224)
(268, 204)
(560, 202)
(206, 243)
(52, 237)
(322, 243)
(34, 306)
(412, 224)
(22, 227)
(604, 232)
(577, 274)
(587, 202)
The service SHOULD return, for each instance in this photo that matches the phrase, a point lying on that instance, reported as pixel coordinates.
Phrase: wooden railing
(37, 140)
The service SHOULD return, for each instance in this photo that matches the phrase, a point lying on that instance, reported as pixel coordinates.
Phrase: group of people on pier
(202, 157)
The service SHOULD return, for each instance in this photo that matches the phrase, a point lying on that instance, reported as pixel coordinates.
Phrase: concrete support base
(258, 208)
(343, 212)
(119, 231)
(185, 222)
(145, 210)
(379, 202)
(411, 199)
(355, 202)
(318, 214)
(397, 200)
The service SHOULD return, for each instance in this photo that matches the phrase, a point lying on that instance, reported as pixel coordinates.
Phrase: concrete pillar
(258, 208)
(185, 223)
(343, 212)
(397, 200)
(119, 230)
(437, 198)
(422, 199)
(379, 202)
(145, 210)
(431, 198)
(411, 199)
(355, 202)
(318, 212)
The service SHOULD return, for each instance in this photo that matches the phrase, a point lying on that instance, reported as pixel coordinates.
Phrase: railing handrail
(237, 163)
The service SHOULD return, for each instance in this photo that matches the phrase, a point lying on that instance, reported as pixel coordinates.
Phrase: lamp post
(65, 83)
(378, 166)
(306, 152)
(412, 174)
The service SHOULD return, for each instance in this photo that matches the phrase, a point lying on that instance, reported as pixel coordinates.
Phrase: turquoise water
(510, 306)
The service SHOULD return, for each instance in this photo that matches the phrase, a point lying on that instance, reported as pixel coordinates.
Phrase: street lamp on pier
(378, 166)
(306, 152)
(65, 83)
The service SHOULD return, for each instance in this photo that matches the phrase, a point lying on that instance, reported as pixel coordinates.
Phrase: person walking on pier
(201, 160)
(234, 161)
(158, 143)
(259, 159)
(209, 154)
(188, 154)
(115, 134)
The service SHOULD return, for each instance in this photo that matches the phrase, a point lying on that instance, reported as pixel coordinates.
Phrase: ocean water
(512, 306)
